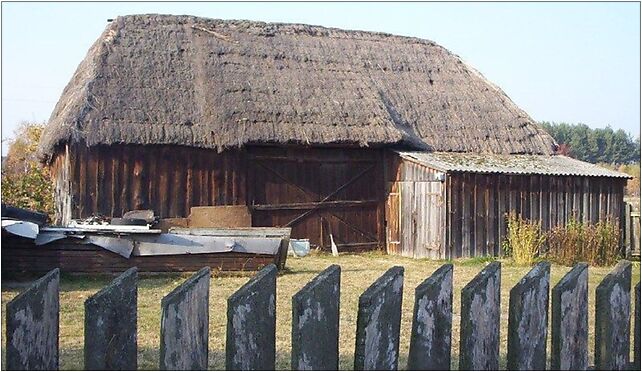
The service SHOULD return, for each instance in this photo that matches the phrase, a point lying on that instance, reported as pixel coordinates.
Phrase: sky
(562, 62)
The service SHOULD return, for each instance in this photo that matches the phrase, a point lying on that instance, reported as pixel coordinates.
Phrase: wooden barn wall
(316, 191)
(415, 213)
(319, 192)
(110, 180)
(478, 205)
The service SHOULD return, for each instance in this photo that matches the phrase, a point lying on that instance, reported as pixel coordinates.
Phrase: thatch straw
(157, 79)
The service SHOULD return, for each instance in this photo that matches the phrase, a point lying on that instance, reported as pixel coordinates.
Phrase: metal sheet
(170, 244)
(122, 229)
(48, 237)
(250, 231)
(21, 228)
(514, 164)
(121, 246)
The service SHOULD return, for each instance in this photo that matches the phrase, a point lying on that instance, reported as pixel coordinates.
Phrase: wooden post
(315, 323)
(379, 322)
(110, 325)
(613, 319)
(569, 321)
(480, 306)
(185, 324)
(636, 336)
(251, 324)
(32, 326)
(528, 320)
(430, 340)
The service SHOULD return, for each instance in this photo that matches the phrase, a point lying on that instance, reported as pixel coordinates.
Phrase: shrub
(523, 240)
(26, 183)
(597, 244)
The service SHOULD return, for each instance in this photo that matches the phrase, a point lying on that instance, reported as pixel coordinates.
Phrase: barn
(345, 136)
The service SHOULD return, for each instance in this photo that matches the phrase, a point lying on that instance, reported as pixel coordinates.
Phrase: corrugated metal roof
(557, 165)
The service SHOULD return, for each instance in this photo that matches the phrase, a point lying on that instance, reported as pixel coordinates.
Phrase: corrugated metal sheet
(557, 165)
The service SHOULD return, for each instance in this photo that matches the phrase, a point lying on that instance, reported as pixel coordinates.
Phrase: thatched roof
(158, 79)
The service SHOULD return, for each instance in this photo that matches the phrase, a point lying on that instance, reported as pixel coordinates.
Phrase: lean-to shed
(450, 205)
(294, 121)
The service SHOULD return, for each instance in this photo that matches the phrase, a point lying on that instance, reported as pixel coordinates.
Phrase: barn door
(427, 219)
(393, 218)
(318, 193)
(414, 219)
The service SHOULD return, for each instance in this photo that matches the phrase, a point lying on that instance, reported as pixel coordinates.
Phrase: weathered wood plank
(32, 326)
(379, 322)
(251, 324)
(315, 323)
(528, 320)
(479, 338)
(569, 321)
(110, 325)
(430, 338)
(185, 324)
(612, 319)
(636, 335)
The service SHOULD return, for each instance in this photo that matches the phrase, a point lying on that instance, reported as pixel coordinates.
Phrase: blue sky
(573, 62)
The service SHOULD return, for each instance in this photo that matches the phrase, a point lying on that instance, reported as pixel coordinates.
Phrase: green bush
(524, 239)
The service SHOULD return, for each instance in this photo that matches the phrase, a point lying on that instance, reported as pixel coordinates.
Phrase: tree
(602, 145)
(26, 183)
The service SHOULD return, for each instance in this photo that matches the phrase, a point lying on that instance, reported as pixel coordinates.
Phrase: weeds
(597, 244)
(524, 239)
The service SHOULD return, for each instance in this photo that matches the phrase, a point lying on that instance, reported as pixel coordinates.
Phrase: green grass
(358, 272)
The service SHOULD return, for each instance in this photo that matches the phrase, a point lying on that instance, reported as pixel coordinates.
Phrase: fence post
(528, 320)
(480, 303)
(315, 323)
(636, 336)
(378, 323)
(569, 321)
(430, 339)
(613, 319)
(251, 323)
(185, 324)
(110, 325)
(627, 230)
(32, 325)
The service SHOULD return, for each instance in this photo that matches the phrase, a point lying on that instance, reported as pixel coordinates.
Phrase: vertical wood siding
(479, 228)
(286, 185)
(415, 215)
(110, 180)
(465, 216)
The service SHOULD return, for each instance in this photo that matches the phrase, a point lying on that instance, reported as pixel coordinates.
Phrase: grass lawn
(358, 272)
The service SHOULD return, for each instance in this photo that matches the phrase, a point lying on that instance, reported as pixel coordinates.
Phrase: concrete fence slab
(315, 323)
(430, 338)
(32, 325)
(379, 322)
(251, 324)
(613, 319)
(528, 320)
(569, 321)
(480, 305)
(185, 324)
(110, 325)
(636, 335)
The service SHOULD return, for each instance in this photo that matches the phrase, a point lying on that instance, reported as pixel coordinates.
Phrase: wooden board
(22, 256)
(220, 216)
